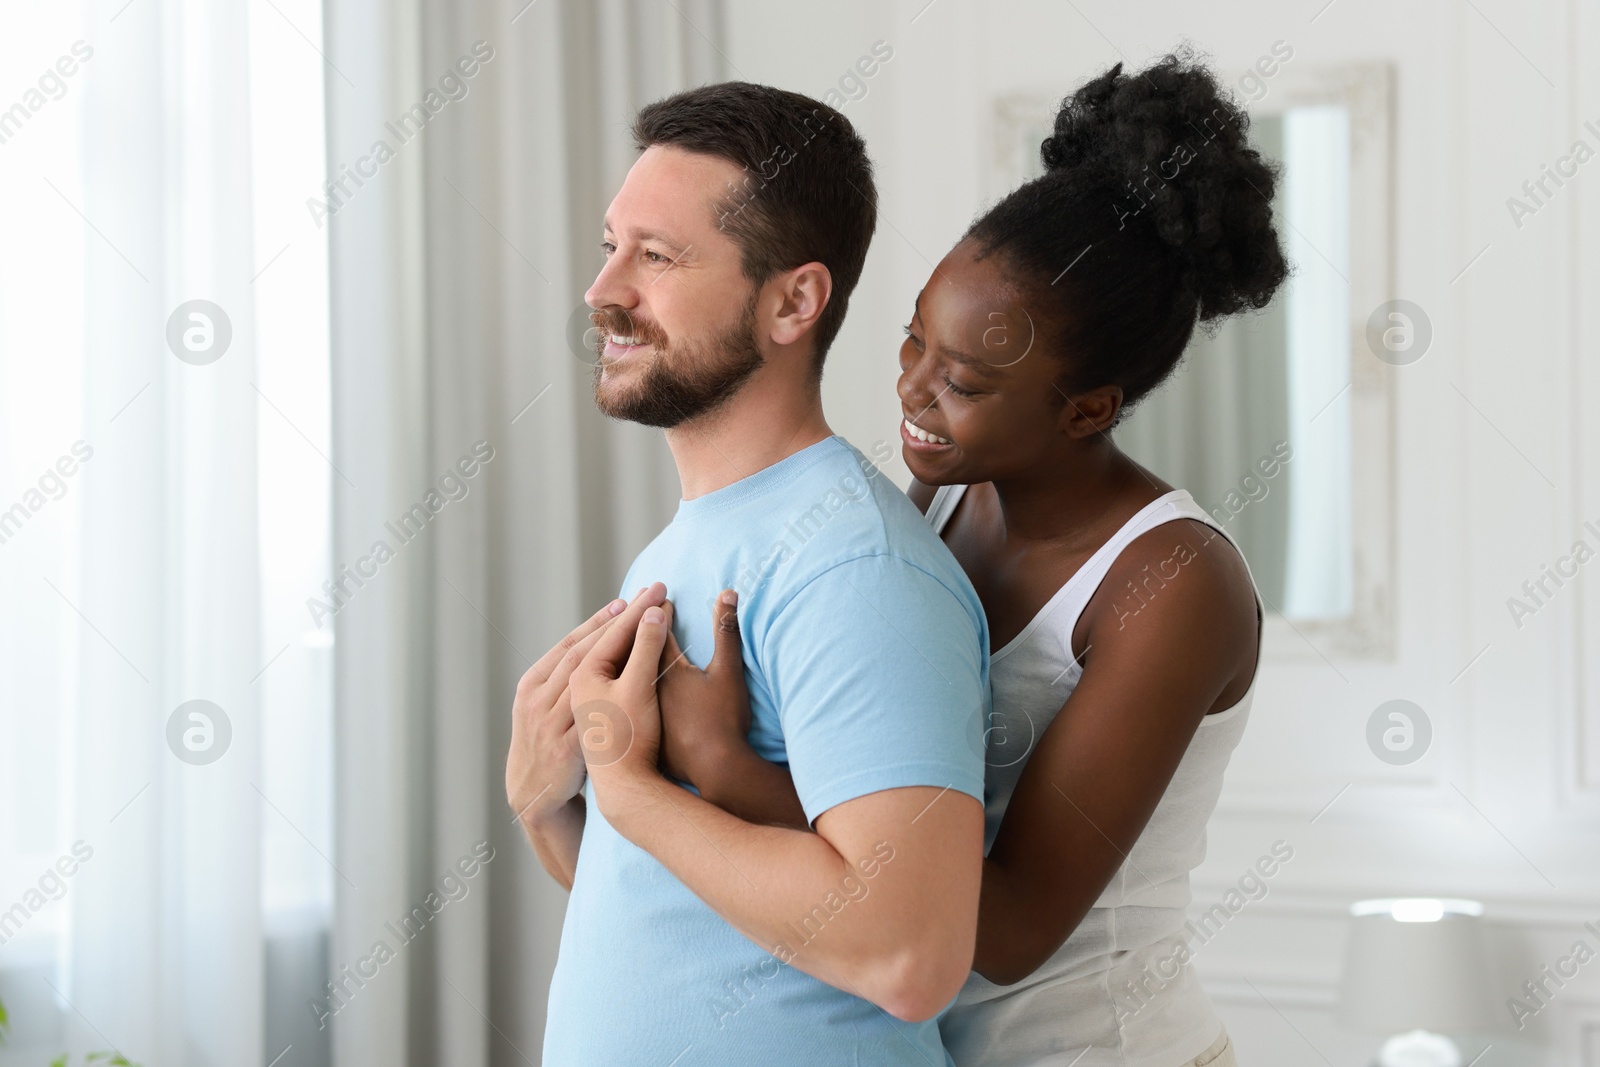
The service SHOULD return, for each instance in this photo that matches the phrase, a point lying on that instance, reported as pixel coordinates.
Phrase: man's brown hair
(807, 192)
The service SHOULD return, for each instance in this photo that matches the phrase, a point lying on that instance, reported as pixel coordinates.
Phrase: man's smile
(620, 346)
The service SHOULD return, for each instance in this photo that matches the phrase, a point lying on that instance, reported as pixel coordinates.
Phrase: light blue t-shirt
(866, 654)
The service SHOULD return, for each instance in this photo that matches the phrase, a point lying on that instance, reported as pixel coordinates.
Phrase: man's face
(677, 318)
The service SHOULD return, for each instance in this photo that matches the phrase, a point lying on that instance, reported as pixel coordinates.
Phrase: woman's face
(975, 376)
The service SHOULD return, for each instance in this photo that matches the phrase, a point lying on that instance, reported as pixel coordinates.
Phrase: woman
(1125, 629)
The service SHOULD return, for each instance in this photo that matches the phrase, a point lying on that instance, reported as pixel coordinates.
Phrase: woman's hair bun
(1170, 147)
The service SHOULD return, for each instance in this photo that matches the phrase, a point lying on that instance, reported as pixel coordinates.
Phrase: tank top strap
(1169, 507)
(943, 505)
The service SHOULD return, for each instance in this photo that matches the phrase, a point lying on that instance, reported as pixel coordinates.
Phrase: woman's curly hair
(1155, 200)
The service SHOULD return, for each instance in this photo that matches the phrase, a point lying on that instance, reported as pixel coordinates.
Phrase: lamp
(1417, 968)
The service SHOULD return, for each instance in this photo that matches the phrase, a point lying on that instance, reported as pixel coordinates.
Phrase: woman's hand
(705, 714)
(705, 730)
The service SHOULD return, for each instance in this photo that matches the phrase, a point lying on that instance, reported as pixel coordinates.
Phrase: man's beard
(682, 381)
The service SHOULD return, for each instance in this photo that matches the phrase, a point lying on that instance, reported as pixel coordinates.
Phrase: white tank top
(1118, 993)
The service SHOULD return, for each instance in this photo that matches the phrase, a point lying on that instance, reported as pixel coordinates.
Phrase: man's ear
(803, 293)
(1091, 411)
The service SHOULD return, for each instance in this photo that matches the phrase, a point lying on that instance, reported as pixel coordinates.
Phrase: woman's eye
(914, 338)
(656, 257)
(956, 389)
(607, 248)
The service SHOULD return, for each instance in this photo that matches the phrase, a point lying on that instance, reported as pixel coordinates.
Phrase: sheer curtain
(166, 332)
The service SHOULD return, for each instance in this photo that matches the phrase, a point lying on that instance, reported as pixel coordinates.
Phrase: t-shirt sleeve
(880, 676)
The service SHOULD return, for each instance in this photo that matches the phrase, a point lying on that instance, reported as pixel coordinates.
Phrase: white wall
(1496, 463)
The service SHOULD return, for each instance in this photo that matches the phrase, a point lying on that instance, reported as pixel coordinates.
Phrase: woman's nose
(912, 387)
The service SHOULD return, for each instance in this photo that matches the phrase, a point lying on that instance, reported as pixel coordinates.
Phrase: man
(692, 937)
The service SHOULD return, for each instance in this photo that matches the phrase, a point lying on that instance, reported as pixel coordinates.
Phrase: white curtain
(166, 951)
(458, 275)
(165, 695)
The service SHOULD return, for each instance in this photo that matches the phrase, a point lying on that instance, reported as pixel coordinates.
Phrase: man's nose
(612, 287)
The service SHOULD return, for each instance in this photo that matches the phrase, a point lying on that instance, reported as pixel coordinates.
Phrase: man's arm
(555, 836)
(898, 931)
(902, 937)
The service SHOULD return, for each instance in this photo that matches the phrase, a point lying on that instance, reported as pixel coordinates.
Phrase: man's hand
(617, 717)
(705, 715)
(544, 770)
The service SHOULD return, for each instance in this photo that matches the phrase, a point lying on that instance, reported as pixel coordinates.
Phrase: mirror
(1278, 421)
(1246, 423)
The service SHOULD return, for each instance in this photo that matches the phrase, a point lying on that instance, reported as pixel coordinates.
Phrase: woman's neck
(1068, 498)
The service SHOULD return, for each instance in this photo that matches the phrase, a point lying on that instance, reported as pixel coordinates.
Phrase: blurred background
(299, 471)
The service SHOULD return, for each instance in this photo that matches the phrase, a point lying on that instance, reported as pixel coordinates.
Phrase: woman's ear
(1089, 412)
(803, 293)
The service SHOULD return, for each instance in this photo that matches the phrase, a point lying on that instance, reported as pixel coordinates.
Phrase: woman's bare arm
(1101, 767)
(705, 723)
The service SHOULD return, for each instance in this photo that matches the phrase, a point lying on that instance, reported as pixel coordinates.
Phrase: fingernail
(730, 598)
(654, 615)
(616, 607)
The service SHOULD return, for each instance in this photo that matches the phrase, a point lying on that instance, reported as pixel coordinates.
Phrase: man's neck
(748, 434)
